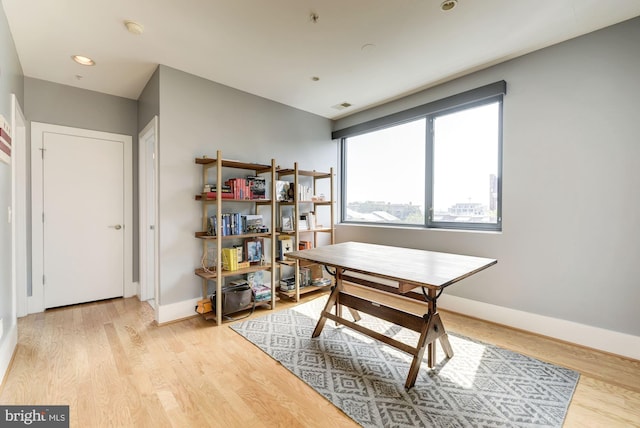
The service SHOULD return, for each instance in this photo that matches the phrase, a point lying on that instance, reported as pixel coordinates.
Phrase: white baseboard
(7, 348)
(568, 331)
(592, 337)
(176, 311)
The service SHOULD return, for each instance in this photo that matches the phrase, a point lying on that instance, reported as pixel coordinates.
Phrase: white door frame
(147, 290)
(36, 300)
(19, 211)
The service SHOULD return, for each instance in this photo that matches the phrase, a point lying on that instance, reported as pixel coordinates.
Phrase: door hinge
(43, 217)
(42, 279)
(42, 152)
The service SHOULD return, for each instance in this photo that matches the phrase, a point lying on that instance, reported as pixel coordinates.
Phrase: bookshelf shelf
(226, 273)
(304, 290)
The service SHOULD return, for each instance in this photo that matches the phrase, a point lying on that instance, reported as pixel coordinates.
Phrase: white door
(83, 206)
(148, 211)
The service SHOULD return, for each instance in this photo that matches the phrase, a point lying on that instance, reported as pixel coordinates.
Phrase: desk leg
(432, 330)
(333, 297)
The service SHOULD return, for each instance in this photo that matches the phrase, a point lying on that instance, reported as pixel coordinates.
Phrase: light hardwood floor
(116, 368)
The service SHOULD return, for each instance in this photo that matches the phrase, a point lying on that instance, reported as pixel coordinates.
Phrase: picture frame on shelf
(286, 224)
(253, 250)
(282, 191)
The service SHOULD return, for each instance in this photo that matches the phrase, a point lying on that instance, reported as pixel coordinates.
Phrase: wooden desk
(408, 270)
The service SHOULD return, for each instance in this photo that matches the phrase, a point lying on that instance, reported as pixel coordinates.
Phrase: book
(229, 259)
(253, 223)
(305, 245)
(302, 222)
(262, 292)
(239, 188)
(304, 193)
(287, 284)
(285, 245)
(257, 187)
(305, 276)
(311, 220)
(240, 251)
(212, 225)
(223, 195)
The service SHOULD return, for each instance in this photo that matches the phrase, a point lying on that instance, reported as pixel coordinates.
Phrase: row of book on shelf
(236, 224)
(306, 221)
(250, 187)
(306, 279)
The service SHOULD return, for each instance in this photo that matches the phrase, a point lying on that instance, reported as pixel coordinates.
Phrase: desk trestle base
(429, 326)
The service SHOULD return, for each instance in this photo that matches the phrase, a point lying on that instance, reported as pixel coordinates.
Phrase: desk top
(410, 267)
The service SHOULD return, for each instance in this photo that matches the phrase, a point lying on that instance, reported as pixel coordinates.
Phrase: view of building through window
(465, 167)
(385, 175)
(392, 174)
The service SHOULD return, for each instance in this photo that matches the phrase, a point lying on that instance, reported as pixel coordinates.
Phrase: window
(439, 169)
(385, 175)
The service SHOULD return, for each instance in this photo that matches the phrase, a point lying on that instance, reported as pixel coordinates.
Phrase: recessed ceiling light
(134, 27)
(447, 5)
(83, 60)
(315, 78)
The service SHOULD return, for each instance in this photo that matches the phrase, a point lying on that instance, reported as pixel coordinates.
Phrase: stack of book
(287, 284)
(225, 192)
(305, 245)
(261, 292)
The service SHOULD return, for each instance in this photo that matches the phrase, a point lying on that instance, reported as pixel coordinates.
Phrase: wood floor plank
(115, 367)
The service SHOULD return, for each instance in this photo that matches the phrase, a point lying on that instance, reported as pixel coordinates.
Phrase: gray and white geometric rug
(481, 386)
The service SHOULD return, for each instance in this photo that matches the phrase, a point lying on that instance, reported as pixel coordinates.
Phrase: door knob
(116, 227)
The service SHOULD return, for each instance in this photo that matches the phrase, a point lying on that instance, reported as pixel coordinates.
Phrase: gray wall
(149, 103)
(10, 83)
(570, 243)
(199, 117)
(68, 106)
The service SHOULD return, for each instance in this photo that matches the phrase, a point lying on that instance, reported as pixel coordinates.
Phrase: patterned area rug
(482, 385)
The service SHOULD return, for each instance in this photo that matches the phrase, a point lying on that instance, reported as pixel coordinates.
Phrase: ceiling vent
(341, 106)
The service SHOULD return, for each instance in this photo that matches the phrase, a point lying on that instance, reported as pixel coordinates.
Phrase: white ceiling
(364, 52)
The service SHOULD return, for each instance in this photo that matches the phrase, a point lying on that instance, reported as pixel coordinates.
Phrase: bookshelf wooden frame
(296, 232)
(216, 273)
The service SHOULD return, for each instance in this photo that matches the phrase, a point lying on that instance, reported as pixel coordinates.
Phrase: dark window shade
(458, 100)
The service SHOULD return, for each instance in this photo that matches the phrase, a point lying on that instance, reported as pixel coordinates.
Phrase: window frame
(470, 99)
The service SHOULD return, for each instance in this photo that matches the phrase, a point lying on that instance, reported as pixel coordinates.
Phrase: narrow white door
(147, 167)
(83, 205)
